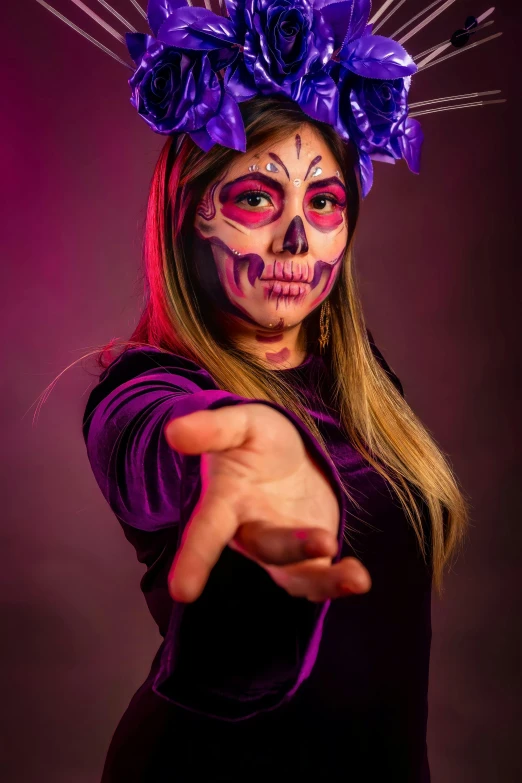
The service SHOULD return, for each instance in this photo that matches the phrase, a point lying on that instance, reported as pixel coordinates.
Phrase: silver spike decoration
(418, 104)
(441, 47)
(118, 16)
(388, 16)
(84, 34)
(458, 51)
(427, 21)
(99, 20)
(453, 108)
(384, 7)
(414, 18)
(438, 51)
(138, 8)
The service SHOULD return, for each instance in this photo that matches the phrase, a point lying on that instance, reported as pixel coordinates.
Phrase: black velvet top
(249, 683)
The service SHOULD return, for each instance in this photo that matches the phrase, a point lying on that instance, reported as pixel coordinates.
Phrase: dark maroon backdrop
(438, 259)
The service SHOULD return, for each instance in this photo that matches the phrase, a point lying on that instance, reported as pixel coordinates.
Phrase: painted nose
(295, 238)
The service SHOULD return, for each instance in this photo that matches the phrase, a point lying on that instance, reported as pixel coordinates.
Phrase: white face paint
(276, 223)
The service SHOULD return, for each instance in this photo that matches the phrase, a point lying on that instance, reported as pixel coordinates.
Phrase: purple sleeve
(245, 645)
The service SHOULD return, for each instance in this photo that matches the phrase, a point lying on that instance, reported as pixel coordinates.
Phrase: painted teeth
(293, 289)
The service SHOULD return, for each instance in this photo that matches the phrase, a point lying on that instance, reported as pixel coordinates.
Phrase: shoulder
(137, 361)
(147, 362)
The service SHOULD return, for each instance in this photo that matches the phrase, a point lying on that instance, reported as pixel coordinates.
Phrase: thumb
(201, 431)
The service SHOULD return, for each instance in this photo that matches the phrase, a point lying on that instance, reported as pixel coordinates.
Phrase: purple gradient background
(438, 260)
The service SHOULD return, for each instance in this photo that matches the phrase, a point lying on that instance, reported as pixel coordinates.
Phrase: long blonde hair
(373, 414)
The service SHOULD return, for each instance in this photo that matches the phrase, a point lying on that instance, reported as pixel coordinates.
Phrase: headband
(197, 66)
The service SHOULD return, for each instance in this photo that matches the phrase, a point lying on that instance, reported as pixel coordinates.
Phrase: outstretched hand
(265, 497)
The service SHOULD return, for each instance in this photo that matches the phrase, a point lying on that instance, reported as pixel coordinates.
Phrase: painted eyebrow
(325, 183)
(257, 177)
(312, 164)
(279, 161)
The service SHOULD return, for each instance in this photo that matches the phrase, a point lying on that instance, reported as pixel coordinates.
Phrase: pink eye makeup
(253, 200)
(324, 204)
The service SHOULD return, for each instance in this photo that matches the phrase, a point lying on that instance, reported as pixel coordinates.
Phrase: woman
(258, 451)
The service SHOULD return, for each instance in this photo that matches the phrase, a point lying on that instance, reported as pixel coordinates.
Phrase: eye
(323, 203)
(255, 200)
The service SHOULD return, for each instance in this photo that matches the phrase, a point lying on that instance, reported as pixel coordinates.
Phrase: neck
(277, 348)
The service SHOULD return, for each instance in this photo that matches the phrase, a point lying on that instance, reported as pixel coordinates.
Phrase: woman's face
(276, 222)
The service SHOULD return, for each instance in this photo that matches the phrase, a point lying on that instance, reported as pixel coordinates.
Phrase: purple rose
(374, 115)
(178, 91)
(370, 109)
(284, 40)
(407, 139)
(174, 91)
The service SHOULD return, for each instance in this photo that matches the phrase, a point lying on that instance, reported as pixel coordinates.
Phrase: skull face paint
(332, 215)
(277, 246)
(295, 240)
(232, 198)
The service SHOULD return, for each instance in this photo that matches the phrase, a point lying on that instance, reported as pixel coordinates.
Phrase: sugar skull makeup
(276, 223)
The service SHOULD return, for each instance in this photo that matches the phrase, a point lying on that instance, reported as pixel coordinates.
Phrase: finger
(319, 580)
(213, 524)
(283, 546)
(218, 430)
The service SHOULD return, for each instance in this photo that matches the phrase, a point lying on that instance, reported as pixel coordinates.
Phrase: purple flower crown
(198, 66)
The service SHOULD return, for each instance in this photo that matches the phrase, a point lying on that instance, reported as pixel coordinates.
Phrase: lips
(289, 271)
(284, 280)
(286, 288)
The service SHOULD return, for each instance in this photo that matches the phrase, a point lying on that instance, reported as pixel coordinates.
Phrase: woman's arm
(245, 645)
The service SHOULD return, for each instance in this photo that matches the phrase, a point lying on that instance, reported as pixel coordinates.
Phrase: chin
(281, 311)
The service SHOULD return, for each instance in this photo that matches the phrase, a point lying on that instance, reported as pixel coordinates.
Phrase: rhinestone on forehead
(272, 167)
(317, 171)
(297, 183)
(253, 167)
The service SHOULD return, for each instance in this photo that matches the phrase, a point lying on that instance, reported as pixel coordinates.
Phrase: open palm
(264, 496)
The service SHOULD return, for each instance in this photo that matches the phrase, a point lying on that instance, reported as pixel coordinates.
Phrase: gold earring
(324, 325)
